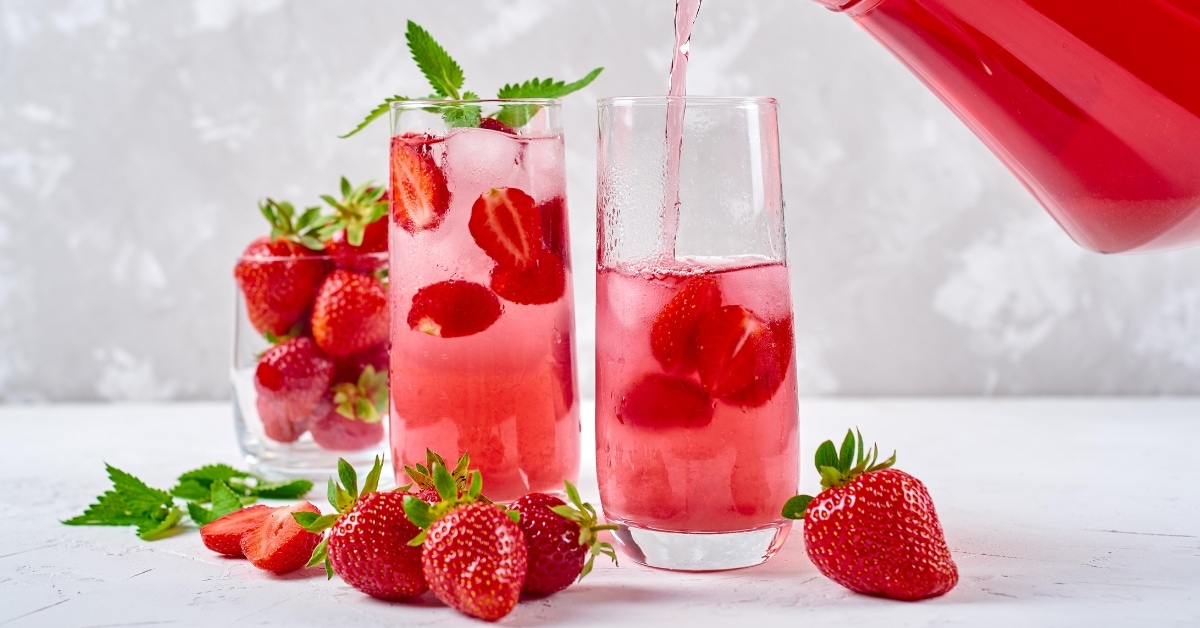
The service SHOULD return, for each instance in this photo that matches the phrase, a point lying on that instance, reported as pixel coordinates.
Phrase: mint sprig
(446, 78)
(131, 503)
(154, 511)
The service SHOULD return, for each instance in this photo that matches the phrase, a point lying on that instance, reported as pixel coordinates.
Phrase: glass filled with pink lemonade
(696, 409)
(482, 354)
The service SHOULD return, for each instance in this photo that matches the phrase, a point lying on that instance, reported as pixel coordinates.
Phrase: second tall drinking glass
(482, 358)
(696, 411)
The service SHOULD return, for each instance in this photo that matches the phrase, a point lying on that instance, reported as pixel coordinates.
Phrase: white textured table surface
(1059, 513)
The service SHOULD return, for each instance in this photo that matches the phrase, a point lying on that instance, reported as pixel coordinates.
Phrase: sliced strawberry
(666, 401)
(672, 335)
(454, 308)
(506, 224)
(543, 281)
(554, 227)
(278, 544)
(496, 125)
(419, 196)
(735, 349)
(770, 368)
(224, 536)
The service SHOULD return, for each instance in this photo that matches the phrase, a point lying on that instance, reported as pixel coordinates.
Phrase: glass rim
(314, 256)
(444, 102)
(690, 101)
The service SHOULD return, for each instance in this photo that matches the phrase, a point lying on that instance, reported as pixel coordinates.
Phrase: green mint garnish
(196, 485)
(446, 78)
(154, 512)
(131, 503)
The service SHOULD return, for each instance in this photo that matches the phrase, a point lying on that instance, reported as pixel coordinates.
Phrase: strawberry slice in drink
(224, 536)
(741, 357)
(419, 195)
(659, 400)
(507, 225)
(451, 309)
(671, 334)
(542, 281)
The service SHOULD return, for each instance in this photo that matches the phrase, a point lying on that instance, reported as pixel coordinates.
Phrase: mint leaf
(224, 500)
(443, 73)
(159, 527)
(191, 490)
(131, 502)
(375, 113)
(288, 489)
(516, 116)
(462, 115)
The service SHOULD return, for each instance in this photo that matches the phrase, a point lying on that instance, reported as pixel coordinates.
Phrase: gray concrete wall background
(137, 135)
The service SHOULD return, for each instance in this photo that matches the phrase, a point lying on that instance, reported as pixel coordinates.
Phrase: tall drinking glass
(696, 411)
(482, 358)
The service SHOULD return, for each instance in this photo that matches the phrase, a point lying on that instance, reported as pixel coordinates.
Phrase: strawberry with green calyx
(354, 417)
(279, 274)
(368, 540)
(562, 540)
(357, 228)
(474, 556)
(445, 75)
(423, 486)
(873, 529)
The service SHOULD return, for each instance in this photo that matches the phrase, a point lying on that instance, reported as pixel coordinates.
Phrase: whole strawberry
(873, 529)
(279, 274)
(561, 540)
(474, 553)
(291, 379)
(368, 541)
(357, 236)
(350, 313)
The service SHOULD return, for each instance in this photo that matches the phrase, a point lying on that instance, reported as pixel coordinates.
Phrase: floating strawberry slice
(224, 536)
(737, 349)
(454, 308)
(419, 196)
(506, 224)
(770, 368)
(543, 281)
(666, 401)
(672, 333)
(554, 227)
(278, 544)
(496, 125)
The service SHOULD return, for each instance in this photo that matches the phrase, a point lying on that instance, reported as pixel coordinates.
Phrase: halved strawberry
(554, 227)
(506, 224)
(770, 368)
(419, 196)
(737, 349)
(224, 536)
(666, 401)
(278, 544)
(543, 281)
(672, 335)
(453, 308)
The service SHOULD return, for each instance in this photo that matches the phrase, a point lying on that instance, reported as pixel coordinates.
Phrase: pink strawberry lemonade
(682, 444)
(498, 383)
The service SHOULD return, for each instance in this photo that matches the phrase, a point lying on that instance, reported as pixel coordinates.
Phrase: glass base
(699, 551)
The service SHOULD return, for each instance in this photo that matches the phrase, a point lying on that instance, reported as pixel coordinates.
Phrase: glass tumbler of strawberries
(311, 336)
(696, 409)
(482, 358)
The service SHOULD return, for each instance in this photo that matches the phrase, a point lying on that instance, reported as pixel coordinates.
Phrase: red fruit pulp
(224, 536)
(278, 544)
(419, 196)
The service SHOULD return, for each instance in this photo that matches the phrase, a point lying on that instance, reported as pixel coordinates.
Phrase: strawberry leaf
(795, 507)
(827, 455)
(349, 477)
(846, 455)
(371, 484)
(443, 73)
